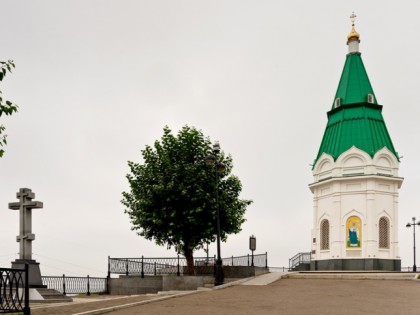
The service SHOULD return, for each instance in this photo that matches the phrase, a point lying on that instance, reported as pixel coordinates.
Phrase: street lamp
(211, 160)
(252, 247)
(414, 239)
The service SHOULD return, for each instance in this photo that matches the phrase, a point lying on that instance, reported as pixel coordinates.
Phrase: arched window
(384, 232)
(325, 235)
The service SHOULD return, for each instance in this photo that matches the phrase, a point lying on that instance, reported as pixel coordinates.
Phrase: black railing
(177, 265)
(158, 266)
(299, 258)
(14, 291)
(260, 260)
(76, 285)
(407, 269)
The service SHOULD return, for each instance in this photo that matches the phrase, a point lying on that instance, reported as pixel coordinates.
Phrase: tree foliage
(172, 196)
(6, 107)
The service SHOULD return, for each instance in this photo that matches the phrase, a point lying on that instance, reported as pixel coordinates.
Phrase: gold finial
(353, 34)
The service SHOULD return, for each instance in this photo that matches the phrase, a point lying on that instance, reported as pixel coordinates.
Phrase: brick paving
(86, 304)
(285, 296)
(296, 296)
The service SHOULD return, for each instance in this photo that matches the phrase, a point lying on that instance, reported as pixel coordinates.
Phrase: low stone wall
(130, 285)
(243, 271)
(260, 271)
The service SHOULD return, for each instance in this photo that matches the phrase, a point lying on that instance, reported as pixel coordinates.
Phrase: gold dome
(353, 34)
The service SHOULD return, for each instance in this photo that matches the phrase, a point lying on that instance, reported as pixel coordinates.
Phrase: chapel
(355, 179)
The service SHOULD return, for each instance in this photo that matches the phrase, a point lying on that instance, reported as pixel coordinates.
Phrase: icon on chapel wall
(354, 232)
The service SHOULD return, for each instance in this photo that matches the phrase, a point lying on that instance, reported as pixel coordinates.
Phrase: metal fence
(76, 285)
(279, 269)
(177, 265)
(299, 258)
(14, 291)
(259, 260)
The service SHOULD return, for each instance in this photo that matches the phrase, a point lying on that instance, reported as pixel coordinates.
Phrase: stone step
(351, 275)
(48, 301)
(44, 295)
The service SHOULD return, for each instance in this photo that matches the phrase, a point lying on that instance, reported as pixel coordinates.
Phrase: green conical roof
(354, 86)
(356, 118)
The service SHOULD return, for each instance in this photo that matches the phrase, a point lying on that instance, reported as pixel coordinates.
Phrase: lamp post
(219, 167)
(414, 239)
(252, 247)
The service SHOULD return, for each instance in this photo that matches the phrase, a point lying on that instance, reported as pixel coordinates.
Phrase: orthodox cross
(25, 206)
(353, 18)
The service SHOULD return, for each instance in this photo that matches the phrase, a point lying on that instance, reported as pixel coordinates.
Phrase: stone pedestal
(34, 273)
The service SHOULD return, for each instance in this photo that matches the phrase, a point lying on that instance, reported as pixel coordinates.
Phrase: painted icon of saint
(354, 232)
(354, 235)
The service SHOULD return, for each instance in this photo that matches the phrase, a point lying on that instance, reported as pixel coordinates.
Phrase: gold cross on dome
(353, 18)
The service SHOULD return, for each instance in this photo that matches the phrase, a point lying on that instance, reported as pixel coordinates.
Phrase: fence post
(248, 260)
(178, 273)
(109, 267)
(27, 309)
(109, 275)
(232, 260)
(126, 266)
(64, 284)
(88, 286)
(266, 260)
(214, 266)
(155, 269)
(142, 266)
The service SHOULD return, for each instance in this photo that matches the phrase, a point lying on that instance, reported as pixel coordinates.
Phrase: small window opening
(337, 102)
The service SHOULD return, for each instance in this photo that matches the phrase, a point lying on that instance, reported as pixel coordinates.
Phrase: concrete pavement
(265, 279)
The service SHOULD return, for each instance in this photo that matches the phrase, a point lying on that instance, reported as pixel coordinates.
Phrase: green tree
(172, 196)
(6, 107)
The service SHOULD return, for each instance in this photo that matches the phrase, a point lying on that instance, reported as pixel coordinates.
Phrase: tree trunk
(190, 261)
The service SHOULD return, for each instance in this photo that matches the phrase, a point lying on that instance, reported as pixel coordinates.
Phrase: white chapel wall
(355, 185)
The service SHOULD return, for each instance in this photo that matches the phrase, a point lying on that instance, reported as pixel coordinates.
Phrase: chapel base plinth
(367, 264)
(34, 273)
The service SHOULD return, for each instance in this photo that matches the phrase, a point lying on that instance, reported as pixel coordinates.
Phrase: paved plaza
(267, 294)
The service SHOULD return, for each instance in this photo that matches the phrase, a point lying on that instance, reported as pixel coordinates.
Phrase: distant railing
(76, 285)
(279, 269)
(14, 291)
(299, 258)
(409, 269)
(177, 265)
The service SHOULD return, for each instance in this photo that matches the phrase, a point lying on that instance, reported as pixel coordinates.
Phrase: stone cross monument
(25, 237)
(25, 206)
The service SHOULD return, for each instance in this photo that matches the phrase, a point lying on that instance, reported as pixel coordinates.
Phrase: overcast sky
(96, 81)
